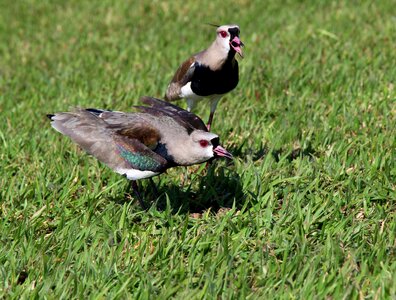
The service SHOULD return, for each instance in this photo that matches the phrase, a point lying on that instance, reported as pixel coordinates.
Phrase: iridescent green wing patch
(140, 157)
(138, 161)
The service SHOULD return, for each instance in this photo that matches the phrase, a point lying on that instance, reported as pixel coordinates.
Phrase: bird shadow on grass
(214, 188)
(278, 154)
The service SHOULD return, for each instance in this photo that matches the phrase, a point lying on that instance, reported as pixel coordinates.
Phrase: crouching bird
(141, 144)
(210, 73)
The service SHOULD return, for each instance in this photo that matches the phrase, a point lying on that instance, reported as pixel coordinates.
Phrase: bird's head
(228, 37)
(201, 146)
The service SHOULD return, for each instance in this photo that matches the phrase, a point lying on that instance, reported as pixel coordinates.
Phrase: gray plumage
(141, 144)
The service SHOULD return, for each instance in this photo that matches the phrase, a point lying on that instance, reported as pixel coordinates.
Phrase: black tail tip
(95, 111)
(50, 116)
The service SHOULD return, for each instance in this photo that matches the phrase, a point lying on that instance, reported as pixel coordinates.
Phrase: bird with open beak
(141, 144)
(210, 73)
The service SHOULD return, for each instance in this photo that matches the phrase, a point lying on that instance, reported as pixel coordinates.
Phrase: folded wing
(185, 118)
(120, 146)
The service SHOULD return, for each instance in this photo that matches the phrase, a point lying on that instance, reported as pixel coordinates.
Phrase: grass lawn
(306, 210)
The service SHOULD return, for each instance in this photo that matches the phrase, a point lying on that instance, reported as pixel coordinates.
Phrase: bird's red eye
(223, 33)
(204, 143)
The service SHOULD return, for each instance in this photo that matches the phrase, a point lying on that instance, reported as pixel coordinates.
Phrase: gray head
(198, 147)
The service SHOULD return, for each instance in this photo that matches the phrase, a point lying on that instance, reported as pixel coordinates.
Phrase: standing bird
(210, 73)
(142, 144)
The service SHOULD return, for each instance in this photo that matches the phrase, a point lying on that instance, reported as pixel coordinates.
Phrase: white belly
(133, 174)
(192, 98)
(186, 92)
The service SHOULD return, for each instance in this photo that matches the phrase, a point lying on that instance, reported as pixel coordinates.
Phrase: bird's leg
(213, 105)
(154, 187)
(135, 188)
(210, 120)
(190, 104)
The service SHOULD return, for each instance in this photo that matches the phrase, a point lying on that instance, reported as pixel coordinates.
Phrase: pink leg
(213, 105)
(210, 120)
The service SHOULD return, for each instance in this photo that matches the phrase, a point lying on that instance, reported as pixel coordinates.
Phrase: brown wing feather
(147, 135)
(183, 75)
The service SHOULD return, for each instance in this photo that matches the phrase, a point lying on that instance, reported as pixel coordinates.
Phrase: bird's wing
(185, 118)
(120, 146)
(182, 76)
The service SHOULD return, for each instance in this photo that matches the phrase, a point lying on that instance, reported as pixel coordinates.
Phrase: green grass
(307, 209)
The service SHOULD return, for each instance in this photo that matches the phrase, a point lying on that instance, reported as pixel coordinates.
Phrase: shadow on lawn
(277, 154)
(216, 190)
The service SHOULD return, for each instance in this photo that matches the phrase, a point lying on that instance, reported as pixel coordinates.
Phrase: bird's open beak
(221, 152)
(237, 45)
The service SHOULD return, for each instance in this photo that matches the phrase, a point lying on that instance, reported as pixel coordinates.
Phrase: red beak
(221, 152)
(237, 45)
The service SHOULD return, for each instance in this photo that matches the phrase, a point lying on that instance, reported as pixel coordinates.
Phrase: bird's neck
(217, 55)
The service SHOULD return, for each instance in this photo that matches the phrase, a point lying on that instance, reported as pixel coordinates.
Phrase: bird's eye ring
(223, 34)
(204, 143)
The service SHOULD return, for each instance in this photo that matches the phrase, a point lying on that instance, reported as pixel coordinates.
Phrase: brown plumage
(147, 135)
(182, 76)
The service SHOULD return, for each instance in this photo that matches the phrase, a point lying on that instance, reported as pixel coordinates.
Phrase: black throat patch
(163, 151)
(234, 31)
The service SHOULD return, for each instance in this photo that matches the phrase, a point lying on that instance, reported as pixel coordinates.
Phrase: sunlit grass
(307, 209)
